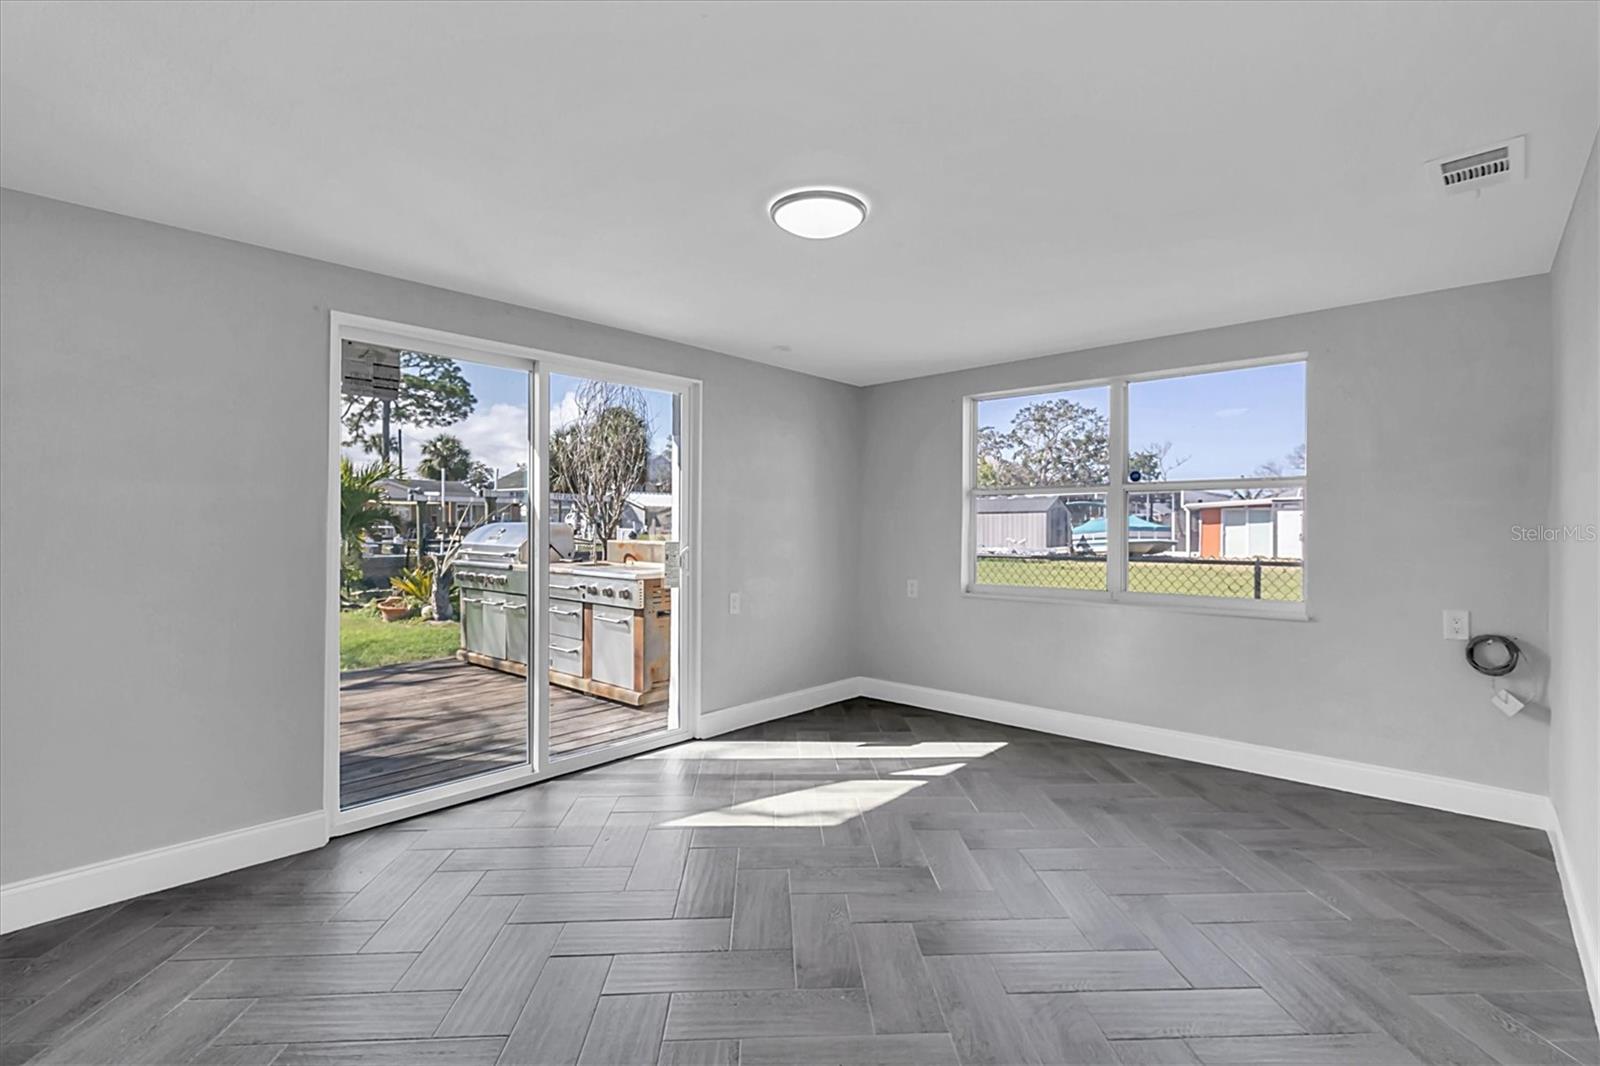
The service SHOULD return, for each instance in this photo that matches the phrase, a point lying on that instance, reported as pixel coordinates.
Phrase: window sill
(1268, 610)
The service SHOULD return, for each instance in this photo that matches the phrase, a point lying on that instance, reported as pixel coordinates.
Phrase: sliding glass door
(613, 575)
(512, 541)
(433, 590)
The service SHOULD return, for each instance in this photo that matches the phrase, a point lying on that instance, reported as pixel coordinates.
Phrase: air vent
(1474, 170)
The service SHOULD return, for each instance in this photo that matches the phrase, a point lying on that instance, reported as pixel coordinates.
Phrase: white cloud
(497, 437)
(564, 413)
(1232, 412)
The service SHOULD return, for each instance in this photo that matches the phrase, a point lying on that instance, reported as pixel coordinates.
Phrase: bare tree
(602, 455)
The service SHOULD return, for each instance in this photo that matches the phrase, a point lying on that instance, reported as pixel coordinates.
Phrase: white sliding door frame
(685, 684)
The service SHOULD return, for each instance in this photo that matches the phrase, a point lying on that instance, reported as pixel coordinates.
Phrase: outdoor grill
(610, 624)
(491, 570)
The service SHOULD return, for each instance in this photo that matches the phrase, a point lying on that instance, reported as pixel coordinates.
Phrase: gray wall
(1438, 406)
(1575, 564)
(163, 430)
(162, 401)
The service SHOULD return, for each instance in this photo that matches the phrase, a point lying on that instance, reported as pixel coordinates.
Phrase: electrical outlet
(911, 588)
(733, 603)
(1457, 624)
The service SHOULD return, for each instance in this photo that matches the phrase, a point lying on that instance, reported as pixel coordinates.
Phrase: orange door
(1211, 534)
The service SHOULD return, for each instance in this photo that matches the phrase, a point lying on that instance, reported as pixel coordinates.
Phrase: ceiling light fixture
(817, 214)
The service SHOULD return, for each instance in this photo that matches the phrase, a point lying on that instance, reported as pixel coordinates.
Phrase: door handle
(617, 622)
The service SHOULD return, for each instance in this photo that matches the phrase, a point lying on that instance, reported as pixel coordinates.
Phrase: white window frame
(1116, 490)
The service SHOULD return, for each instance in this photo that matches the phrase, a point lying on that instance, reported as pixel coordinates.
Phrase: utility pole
(385, 432)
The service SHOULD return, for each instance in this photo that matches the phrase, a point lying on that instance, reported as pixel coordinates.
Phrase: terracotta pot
(394, 610)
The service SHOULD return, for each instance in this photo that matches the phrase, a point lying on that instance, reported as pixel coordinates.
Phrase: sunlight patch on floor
(939, 770)
(833, 803)
(938, 750)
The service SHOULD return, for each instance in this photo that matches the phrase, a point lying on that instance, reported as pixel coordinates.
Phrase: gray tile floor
(865, 883)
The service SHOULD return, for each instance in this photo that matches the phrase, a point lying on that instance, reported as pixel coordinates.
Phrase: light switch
(911, 588)
(733, 603)
(1457, 625)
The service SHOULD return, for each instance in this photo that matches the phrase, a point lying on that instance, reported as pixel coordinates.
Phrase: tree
(480, 477)
(602, 454)
(445, 456)
(1059, 442)
(433, 392)
(1293, 465)
(361, 510)
(1151, 462)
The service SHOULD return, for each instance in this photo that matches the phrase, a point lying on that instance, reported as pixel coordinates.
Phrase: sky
(1222, 425)
(496, 433)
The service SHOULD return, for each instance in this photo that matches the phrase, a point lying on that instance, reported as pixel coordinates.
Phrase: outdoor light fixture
(817, 214)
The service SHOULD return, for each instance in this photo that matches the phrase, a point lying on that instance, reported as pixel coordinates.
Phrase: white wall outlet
(733, 603)
(1457, 624)
(911, 588)
(1505, 702)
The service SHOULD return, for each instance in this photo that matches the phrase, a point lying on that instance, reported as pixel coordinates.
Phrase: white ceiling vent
(1492, 165)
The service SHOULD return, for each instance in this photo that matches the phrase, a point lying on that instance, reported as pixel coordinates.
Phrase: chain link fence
(1087, 573)
(1237, 579)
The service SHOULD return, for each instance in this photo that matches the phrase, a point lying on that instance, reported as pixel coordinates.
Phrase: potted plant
(413, 590)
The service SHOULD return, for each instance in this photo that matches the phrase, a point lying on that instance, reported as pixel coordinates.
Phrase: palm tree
(361, 508)
(445, 456)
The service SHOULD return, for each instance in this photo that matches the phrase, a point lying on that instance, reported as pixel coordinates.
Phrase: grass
(366, 640)
(1226, 580)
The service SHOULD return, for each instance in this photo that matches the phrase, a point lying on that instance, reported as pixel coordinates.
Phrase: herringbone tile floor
(865, 883)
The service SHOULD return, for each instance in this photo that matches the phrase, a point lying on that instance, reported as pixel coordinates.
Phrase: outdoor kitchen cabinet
(612, 661)
(611, 631)
(483, 624)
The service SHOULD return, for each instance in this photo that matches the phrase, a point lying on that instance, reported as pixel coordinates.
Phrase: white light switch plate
(911, 588)
(1457, 625)
(733, 603)
(1507, 704)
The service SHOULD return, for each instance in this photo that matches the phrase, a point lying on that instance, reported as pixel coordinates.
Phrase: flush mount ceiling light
(817, 214)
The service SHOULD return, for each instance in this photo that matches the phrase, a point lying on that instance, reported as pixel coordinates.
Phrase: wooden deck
(404, 728)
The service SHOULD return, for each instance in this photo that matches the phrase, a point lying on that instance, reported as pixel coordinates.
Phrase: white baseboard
(43, 899)
(1584, 929)
(742, 715)
(1367, 779)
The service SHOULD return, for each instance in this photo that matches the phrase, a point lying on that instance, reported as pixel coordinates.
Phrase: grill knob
(625, 594)
(608, 592)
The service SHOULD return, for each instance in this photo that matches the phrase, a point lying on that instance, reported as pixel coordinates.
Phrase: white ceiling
(1042, 177)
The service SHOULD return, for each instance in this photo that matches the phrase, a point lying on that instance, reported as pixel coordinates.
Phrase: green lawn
(1228, 580)
(366, 640)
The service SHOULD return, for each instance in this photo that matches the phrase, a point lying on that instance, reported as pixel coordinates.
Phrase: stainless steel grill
(491, 569)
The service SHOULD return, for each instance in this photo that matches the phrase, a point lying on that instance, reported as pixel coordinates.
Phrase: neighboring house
(510, 493)
(1271, 528)
(647, 514)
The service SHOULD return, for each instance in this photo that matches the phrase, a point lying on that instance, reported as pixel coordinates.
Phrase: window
(1179, 488)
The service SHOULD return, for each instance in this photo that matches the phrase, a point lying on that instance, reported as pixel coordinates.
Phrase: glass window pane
(1232, 544)
(612, 507)
(1227, 424)
(434, 632)
(1044, 541)
(1045, 438)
